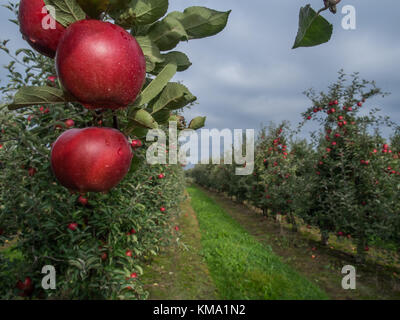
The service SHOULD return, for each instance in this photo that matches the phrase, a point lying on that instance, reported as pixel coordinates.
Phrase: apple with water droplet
(100, 64)
(32, 24)
(91, 159)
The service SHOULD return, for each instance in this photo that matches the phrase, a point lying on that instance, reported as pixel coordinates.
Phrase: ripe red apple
(52, 78)
(162, 209)
(133, 275)
(161, 176)
(73, 226)
(32, 172)
(91, 159)
(32, 21)
(136, 143)
(83, 201)
(100, 64)
(129, 253)
(69, 123)
(104, 256)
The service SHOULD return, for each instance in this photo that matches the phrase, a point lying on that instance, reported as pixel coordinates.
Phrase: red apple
(129, 253)
(69, 123)
(31, 21)
(100, 64)
(73, 226)
(32, 172)
(83, 201)
(136, 143)
(133, 275)
(91, 159)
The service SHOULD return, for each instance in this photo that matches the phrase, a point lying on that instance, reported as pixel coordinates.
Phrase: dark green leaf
(142, 12)
(66, 11)
(197, 123)
(151, 53)
(29, 96)
(181, 60)
(167, 33)
(142, 119)
(313, 29)
(201, 22)
(157, 85)
(174, 96)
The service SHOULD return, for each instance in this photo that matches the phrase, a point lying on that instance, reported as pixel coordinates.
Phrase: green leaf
(157, 85)
(142, 119)
(201, 22)
(167, 33)
(197, 123)
(94, 7)
(142, 12)
(137, 132)
(29, 96)
(181, 60)
(313, 29)
(66, 11)
(136, 163)
(162, 116)
(151, 53)
(174, 96)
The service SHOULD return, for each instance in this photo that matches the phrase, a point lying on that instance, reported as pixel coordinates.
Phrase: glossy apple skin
(91, 159)
(30, 19)
(100, 64)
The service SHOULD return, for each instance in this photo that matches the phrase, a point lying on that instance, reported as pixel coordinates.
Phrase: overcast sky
(248, 74)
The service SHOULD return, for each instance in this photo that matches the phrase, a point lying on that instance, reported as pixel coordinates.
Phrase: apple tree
(354, 181)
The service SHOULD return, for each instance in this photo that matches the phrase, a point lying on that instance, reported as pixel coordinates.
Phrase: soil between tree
(180, 272)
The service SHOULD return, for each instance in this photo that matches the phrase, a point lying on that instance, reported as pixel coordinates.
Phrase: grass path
(223, 261)
(241, 266)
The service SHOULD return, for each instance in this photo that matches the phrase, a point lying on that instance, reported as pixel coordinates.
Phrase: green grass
(242, 267)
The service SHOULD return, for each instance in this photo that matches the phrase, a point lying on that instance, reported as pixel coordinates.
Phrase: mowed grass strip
(242, 267)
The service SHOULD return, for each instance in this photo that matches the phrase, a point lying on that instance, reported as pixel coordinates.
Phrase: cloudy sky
(249, 75)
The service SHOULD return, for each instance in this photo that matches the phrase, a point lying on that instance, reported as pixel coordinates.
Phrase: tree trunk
(292, 220)
(361, 253)
(324, 238)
